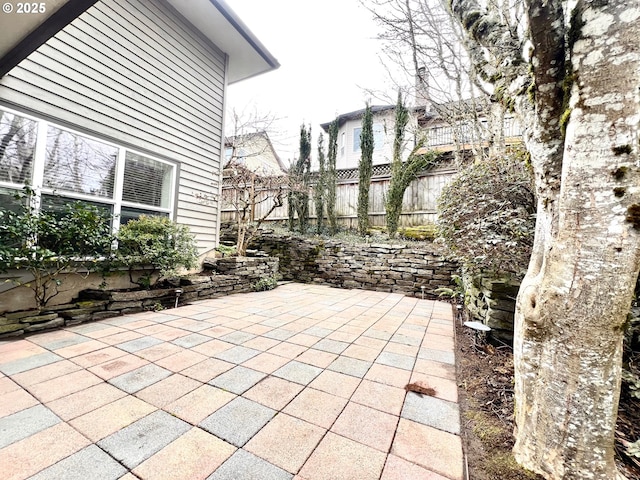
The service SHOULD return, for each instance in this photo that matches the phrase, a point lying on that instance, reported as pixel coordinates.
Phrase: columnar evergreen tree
(299, 175)
(365, 167)
(320, 190)
(402, 173)
(332, 177)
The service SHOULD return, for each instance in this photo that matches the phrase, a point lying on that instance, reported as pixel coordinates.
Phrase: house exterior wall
(134, 73)
(349, 157)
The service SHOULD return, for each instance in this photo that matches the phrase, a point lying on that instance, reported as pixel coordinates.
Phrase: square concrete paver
(197, 405)
(397, 468)
(367, 426)
(25, 423)
(135, 443)
(336, 383)
(380, 396)
(430, 448)
(286, 442)
(350, 366)
(245, 466)
(316, 407)
(140, 378)
(90, 462)
(431, 411)
(338, 457)
(238, 380)
(273, 392)
(168, 390)
(196, 454)
(238, 421)
(85, 401)
(301, 373)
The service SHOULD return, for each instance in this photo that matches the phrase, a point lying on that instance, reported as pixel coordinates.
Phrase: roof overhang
(21, 34)
(215, 19)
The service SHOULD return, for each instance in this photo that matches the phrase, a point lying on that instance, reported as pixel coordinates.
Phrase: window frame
(116, 202)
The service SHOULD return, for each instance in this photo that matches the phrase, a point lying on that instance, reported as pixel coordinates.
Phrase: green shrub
(67, 238)
(486, 215)
(156, 242)
(266, 283)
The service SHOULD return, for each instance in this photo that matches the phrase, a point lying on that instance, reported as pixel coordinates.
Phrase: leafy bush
(486, 215)
(69, 238)
(157, 242)
(266, 283)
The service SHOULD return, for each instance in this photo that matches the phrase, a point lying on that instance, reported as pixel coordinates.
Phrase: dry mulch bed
(485, 388)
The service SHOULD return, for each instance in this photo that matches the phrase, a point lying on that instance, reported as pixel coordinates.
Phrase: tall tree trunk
(573, 303)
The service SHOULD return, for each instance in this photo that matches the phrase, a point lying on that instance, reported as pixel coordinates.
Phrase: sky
(329, 55)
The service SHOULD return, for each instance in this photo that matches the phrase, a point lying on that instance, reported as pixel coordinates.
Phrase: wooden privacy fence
(419, 205)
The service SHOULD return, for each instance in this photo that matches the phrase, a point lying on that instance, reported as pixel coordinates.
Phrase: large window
(378, 137)
(62, 165)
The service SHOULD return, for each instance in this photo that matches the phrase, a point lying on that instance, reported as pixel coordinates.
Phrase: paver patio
(303, 382)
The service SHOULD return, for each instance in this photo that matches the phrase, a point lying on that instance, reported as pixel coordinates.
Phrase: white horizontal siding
(134, 72)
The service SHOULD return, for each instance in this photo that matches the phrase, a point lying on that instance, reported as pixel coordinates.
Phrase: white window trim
(39, 160)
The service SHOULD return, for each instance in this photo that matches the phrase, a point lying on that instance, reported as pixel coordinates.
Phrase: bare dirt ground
(485, 387)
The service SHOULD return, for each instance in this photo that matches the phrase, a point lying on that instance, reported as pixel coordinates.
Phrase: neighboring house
(420, 199)
(255, 151)
(120, 103)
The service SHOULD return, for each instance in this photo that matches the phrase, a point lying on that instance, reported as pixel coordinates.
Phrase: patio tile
(85, 401)
(436, 369)
(374, 343)
(317, 358)
(139, 378)
(237, 354)
(287, 350)
(343, 336)
(121, 337)
(273, 392)
(64, 385)
(397, 468)
(44, 373)
(336, 383)
(217, 331)
(401, 349)
(24, 423)
(63, 339)
(181, 360)
(238, 420)
(367, 426)
(350, 366)
(318, 331)
(445, 388)
(98, 357)
(237, 380)
(303, 339)
(191, 340)
(433, 412)
(361, 352)
(170, 333)
(279, 334)
(138, 344)
(266, 362)
(257, 329)
(262, 343)
(194, 455)
(110, 418)
(332, 346)
(316, 407)
(377, 334)
(286, 442)
(430, 448)
(406, 339)
(395, 377)
(245, 466)
(29, 363)
(29, 456)
(159, 351)
(118, 366)
(405, 362)
(207, 369)
(437, 356)
(298, 372)
(212, 347)
(238, 337)
(90, 462)
(338, 457)
(80, 348)
(380, 396)
(190, 324)
(7, 385)
(106, 331)
(135, 443)
(197, 405)
(168, 390)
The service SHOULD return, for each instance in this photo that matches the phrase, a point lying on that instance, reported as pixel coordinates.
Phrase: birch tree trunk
(582, 133)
